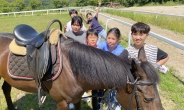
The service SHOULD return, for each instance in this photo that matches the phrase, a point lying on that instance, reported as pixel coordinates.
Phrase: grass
(171, 87)
(166, 22)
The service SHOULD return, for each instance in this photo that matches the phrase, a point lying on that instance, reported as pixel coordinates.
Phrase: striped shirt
(151, 53)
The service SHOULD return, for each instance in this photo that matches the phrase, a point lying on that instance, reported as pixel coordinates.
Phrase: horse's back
(7, 35)
(5, 39)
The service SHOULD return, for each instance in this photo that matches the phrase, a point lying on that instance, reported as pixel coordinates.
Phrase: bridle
(135, 91)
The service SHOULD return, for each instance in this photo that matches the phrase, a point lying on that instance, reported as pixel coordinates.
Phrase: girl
(76, 32)
(112, 42)
(112, 45)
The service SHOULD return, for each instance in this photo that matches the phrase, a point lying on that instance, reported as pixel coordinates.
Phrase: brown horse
(87, 68)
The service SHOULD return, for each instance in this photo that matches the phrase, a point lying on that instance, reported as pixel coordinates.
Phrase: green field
(171, 87)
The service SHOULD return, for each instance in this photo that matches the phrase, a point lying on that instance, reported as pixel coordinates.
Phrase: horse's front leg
(78, 105)
(6, 90)
(62, 105)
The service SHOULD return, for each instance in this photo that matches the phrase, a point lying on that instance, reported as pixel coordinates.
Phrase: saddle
(39, 51)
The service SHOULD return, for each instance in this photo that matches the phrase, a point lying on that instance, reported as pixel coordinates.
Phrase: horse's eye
(147, 100)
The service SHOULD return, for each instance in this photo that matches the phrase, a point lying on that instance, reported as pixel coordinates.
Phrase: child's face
(76, 27)
(139, 38)
(112, 40)
(89, 17)
(73, 14)
(92, 39)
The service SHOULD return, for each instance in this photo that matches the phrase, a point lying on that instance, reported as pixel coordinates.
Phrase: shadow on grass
(178, 79)
(30, 102)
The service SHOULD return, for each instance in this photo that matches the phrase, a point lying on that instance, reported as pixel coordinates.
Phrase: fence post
(129, 38)
(14, 14)
(107, 23)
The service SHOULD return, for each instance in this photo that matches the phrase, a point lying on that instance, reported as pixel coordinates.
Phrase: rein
(135, 91)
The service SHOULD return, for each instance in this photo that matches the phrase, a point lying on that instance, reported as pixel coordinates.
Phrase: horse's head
(143, 89)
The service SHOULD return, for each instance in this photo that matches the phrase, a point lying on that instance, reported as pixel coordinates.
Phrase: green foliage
(35, 4)
(60, 3)
(18, 5)
(4, 6)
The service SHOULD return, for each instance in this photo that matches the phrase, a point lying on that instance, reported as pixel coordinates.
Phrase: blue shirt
(95, 24)
(104, 46)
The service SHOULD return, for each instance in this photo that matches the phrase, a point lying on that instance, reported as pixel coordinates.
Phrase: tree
(5, 6)
(19, 5)
(60, 3)
(35, 4)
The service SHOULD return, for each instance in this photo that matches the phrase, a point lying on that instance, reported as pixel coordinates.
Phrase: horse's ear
(134, 66)
(142, 55)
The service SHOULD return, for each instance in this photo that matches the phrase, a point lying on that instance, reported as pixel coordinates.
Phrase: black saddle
(26, 35)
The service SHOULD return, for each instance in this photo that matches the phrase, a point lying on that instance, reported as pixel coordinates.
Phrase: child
(92, 37)
(68, 26)
(94, 24)
(112, 45)
(76, 32)
(112, 42)
(156, 56)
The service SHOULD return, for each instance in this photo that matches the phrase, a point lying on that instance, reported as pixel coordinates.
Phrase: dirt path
(176, 56)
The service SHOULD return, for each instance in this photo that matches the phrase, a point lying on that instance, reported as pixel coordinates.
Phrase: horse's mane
(8, 35)
(150, 71)
(97, 66)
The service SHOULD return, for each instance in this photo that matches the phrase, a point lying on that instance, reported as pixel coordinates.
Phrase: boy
(140, 31)
(68, 26)
(94, 24)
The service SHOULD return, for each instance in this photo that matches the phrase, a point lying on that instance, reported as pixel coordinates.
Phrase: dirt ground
(176, 56)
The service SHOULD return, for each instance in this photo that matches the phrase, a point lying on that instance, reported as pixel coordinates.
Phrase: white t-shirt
(69, 27)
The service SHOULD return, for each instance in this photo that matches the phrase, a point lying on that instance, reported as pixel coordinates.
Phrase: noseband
(135, 91)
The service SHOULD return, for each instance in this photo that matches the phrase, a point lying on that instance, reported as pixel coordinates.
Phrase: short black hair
(140, 27)
(114, 31)
(91, 32)
(73, 11)
(88, 14)
(78, 19)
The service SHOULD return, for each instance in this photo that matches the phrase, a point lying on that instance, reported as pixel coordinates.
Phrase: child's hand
(89, 25)
(99, 2)
(80, 13)
(65, 27)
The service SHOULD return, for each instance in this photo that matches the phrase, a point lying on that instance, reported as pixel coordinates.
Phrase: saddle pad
(18, 67)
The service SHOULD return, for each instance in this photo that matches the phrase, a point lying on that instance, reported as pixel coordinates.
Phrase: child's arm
(163, 61)
(97, 11)
(162, 57)
(89, 27)
(83, 18)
